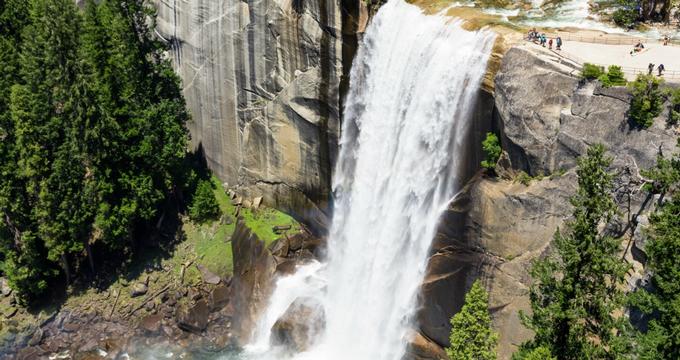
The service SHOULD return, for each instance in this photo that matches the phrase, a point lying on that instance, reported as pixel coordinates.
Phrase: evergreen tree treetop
(577, 287)
(472, 336)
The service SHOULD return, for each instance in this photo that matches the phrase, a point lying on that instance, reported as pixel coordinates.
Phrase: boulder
(152, 323)
(138, 289)
(296, 329)
(195, 318)
(10, 312)
(219, 297)
(257, 202)
(549, 117)
(422, 348)
(5, 290)
(207, 276)
(280, 247)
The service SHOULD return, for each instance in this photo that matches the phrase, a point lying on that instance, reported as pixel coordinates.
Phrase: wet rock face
(299, 324)
(252, 284)
(262, 81)
(194, 318)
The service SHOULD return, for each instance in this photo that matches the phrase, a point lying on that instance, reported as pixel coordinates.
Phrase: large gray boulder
(548, 117)
(263, 82)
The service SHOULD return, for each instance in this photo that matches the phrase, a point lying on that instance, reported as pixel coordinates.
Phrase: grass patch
(210, 241)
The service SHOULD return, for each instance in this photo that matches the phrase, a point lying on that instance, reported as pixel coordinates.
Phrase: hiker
(543, 39)
(558, 42)
(650, 67)
(550, 44)
(666, 39)
(533, 34)
(661, 69)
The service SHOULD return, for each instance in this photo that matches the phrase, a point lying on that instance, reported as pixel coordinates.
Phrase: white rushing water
(413, 87)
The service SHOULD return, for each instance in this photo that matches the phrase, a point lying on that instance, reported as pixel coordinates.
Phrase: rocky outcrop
(299, 325)
(263, 81)
(254, 268)
(547, 118)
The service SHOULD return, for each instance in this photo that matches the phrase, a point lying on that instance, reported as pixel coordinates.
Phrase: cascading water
(413, 88)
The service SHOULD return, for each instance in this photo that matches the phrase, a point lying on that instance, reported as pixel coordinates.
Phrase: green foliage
(674, 115)
(539, 353)
(577, 287)
(665, 175)
(647, 102)
(492, 150)
(591, 71)
(526, 179)
(661, 341)
(208, 239)
(93, 127)
(626, 18)
(472, 337)
(204, 206)
(523, 178)
(613, 77)
(626, 13)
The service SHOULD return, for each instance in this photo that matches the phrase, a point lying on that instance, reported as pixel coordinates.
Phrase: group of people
(638, 47)
(659, 68)
(542, 40)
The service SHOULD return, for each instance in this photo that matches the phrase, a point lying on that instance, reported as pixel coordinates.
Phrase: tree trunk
(90, 258)
(67, 269)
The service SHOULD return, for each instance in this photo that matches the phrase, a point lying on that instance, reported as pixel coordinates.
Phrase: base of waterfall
(404, 154)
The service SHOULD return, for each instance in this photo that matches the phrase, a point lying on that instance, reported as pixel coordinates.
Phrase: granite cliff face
(263, 81)
(547, 118)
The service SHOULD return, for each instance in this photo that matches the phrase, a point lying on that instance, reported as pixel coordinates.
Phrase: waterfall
(413, 87)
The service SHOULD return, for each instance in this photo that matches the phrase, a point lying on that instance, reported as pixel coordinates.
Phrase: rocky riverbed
(159, 314)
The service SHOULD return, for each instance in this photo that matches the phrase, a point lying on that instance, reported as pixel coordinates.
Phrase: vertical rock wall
(262, 82)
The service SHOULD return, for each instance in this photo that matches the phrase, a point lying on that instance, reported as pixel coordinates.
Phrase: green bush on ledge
(648, 99)
(492, 150)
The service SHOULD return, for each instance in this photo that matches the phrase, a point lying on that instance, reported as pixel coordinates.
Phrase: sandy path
(620, 55)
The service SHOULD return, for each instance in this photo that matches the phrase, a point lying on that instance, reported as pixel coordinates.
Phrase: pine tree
(661, 341)
(204, 206)
(142, 121)
(577, 288)
(41, 108)
(472, 336)
(93, 127)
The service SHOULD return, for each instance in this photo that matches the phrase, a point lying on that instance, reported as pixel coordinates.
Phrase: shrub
(591, 71)
(616, 76)
(539, 353)
(523, 178)
(204, 206)
(626, 17)
(647, 101)
(492, 150)
(674, 115)
(613, 77)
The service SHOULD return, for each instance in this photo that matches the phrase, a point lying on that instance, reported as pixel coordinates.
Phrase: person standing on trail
(550, 44)
(558, 42)
(661, 69)
(650, 67)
